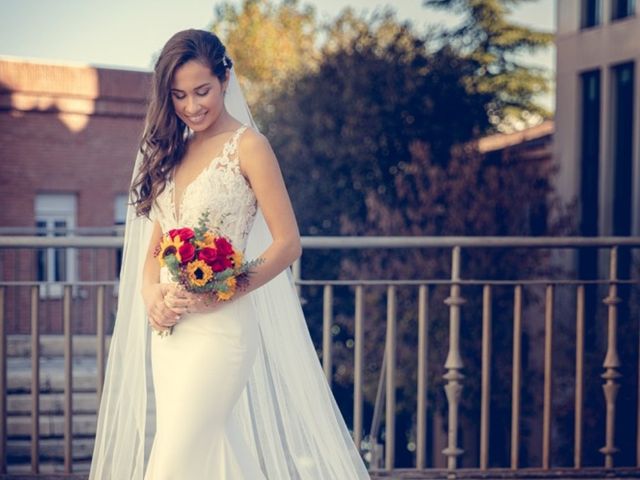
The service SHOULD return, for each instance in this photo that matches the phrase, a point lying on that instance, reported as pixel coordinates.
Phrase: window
(588, 165)
(590, 152)
(120, 218)
(622, 9)
(622, 141)
(591, 13)
(55, 216)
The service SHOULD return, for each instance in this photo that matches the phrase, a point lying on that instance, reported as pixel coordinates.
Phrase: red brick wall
(64, 129)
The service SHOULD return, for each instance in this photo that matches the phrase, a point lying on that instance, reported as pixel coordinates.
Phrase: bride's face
(197, 95)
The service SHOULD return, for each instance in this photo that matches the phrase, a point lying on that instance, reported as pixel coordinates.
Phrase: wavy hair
(164, 138)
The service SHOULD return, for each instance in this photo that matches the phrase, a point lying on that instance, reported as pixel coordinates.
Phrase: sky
(128, 33)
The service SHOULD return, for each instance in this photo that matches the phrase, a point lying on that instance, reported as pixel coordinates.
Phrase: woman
(235, 391)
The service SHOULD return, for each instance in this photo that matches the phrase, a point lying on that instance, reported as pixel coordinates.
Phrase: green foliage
(473, 195)
(495, 44)
(345, 129)
(270, 44)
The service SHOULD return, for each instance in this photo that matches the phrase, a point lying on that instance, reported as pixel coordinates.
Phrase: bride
(228, 390)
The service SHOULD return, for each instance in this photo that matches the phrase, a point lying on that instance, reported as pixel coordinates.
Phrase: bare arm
(153, 292)
(260, 166)
(151, 269)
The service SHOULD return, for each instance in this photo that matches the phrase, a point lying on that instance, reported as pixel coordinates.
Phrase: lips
(195, 119)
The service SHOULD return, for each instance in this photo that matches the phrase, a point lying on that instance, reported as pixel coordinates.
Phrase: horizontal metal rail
(315, 243)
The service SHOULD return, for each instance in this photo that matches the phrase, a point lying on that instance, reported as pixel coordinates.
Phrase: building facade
(597, 118)
(68, 141)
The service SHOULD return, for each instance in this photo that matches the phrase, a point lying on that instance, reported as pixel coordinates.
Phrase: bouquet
(204, 261)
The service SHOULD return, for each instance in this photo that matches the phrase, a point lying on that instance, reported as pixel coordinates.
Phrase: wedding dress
(200, 369)
(233, 394)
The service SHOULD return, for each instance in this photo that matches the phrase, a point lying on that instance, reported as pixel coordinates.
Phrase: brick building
(68, 139)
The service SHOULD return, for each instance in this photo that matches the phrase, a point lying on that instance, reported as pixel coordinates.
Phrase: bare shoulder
(254, 150)
(253, 142)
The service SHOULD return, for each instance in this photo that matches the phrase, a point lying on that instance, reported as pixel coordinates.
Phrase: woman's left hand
(180, 300)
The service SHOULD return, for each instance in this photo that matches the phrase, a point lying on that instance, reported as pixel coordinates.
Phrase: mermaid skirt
(199, 373)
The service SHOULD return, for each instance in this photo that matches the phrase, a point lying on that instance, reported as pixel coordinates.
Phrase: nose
(191, 105)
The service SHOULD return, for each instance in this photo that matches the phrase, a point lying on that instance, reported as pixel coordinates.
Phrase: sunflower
(237, 259)
(209, 240)
(169, 246)
(199, 273)
(231, 289)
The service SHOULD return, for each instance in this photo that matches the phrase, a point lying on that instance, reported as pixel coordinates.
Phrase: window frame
(53, 209)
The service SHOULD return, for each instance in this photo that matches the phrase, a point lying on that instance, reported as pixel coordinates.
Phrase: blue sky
(127, 33)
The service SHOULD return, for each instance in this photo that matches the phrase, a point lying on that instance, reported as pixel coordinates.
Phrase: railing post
(577, 449)
(485, 412)
(516, 376)
(35, 380)
(423, 359)
(296, 272)
(453, 364)
(390, 417)
(358, 362)
(548, 373)
(3, 385)
(100, 339)
(611, 361)
(327, 321)
(68, 382)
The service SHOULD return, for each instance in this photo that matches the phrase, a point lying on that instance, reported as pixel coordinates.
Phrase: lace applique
(220, 188)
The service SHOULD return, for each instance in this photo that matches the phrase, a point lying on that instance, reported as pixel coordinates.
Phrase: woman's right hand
(161, 317)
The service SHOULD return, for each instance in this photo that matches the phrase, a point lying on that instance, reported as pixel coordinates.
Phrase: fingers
(179, 301)
(156, 325)
(163, 316)
(184, 302)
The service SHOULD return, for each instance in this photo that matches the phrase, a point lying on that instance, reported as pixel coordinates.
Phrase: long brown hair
(164, 137)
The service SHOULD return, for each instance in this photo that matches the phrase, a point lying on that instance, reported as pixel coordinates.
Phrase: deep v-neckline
(177, 207)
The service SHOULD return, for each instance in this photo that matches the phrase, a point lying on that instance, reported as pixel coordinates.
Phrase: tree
(345, 128)
(473, 195)
(271, 44)
(495, 44)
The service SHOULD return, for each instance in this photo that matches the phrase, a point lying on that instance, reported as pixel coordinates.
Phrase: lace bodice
(220, 188)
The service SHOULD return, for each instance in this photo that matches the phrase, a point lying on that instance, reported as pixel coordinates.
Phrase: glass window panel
(622, 9)
(591, 12)
(41, 254)
(588, 165)
(60, 227)
(622, 117)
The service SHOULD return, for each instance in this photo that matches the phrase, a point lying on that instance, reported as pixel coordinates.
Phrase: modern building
(597, 119)
(597, 150)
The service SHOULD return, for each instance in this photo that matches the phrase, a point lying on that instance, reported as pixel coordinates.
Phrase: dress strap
(233, 144)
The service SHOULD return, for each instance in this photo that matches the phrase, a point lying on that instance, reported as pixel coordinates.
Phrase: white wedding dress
(200, 370)
(236, 394)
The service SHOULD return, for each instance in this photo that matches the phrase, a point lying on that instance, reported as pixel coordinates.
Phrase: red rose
(224, 247)
(185, 234)
(187, 252)
(220, 264)
(208, 255)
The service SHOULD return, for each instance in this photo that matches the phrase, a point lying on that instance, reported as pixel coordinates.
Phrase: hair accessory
(224, 61)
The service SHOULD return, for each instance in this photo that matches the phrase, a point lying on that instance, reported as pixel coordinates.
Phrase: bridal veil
(287, 412)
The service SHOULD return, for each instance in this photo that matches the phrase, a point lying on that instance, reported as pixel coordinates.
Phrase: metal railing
(381, 452)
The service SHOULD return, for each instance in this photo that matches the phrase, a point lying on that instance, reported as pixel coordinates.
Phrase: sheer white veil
(287, 411)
